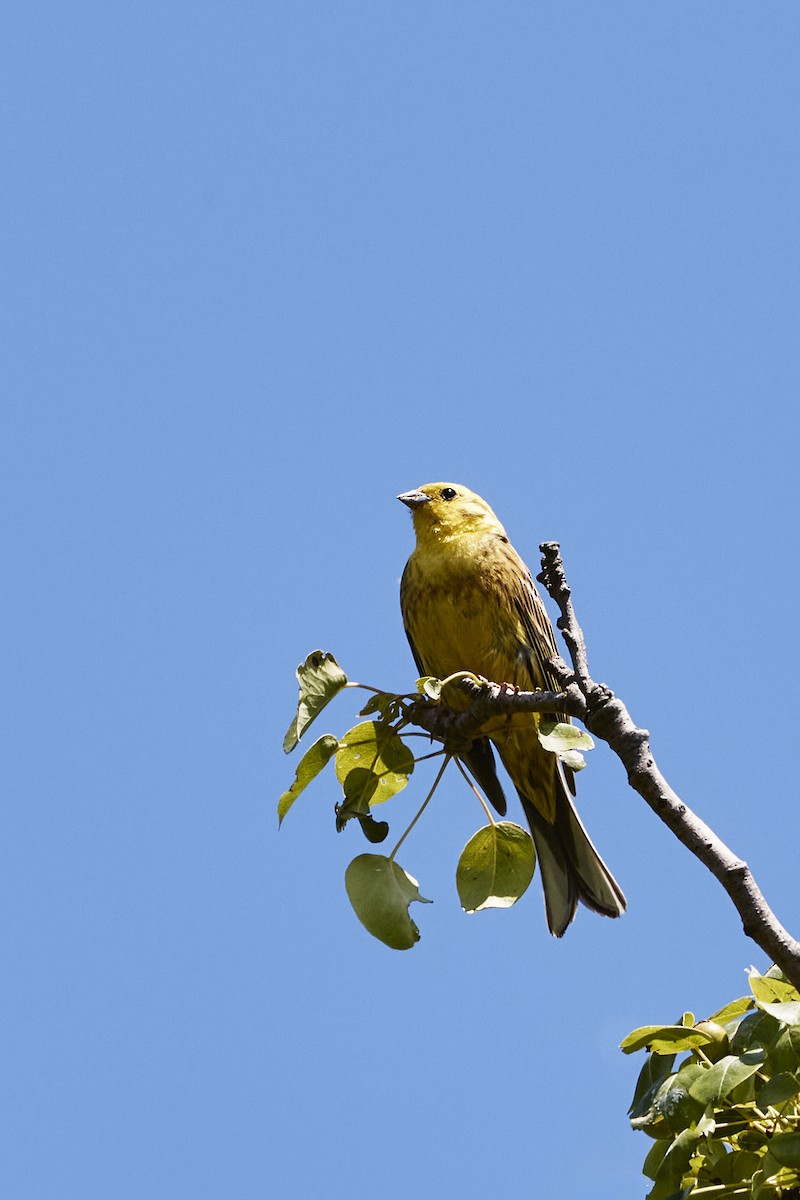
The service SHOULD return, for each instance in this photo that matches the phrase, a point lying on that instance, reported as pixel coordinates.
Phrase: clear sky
(267, 265)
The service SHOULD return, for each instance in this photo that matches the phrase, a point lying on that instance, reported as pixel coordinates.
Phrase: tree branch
(607, 718)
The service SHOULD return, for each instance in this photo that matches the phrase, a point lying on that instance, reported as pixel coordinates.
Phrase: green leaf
(309, 766)
(779, 1088)
(657, 1068)
(736, 1008)
(377, 748)
(573, 759)
(565, 740)
(771, 988)
(387, 704)
(671, 1107)
(560, 737)
(676, 1104)
(712, 1159)
(655, 1157)
(675, 1161)
(664, 1039)
(430, 686)
(785, 1148)
(784, 1052)
(563, 735)
(737, 1167)
(725, 1075)
(788, 1014)
(358, 787)
(776, 996)
(374, 831)
(380, 892)
(320, 678)
(755, 1029)
(750, 1139)
(496, 867)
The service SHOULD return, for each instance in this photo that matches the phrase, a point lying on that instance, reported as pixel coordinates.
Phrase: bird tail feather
(570, 867)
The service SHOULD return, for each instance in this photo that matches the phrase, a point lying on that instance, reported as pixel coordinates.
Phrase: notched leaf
(380, 892)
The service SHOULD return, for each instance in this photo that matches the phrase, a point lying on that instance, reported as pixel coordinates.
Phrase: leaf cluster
(725, 1118)
(373, 762)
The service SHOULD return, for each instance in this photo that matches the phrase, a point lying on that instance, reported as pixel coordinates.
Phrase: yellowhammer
(469, 603)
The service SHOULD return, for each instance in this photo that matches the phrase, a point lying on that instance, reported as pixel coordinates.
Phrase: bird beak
(414, 499)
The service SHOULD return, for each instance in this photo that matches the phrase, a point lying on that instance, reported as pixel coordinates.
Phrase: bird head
(449, 510)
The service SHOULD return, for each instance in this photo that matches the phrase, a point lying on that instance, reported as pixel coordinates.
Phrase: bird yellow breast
(457, 618)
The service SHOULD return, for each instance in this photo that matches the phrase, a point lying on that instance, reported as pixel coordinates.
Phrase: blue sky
(268, 265)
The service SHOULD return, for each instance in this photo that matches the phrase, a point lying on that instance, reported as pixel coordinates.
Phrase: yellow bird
(469, 603)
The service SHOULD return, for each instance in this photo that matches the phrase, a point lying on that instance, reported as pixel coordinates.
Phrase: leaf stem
(433, 754)
(424, 805)
(454, 678)
(485, 806)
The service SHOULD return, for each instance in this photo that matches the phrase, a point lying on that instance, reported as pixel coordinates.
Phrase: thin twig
(607, 718)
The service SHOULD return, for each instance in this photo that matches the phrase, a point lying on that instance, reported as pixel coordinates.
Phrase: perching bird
(469, 603)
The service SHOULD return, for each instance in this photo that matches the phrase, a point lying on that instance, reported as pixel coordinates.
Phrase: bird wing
(539, 636)
(540, 645)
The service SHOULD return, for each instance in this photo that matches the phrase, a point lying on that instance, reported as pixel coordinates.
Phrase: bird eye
(448, 493)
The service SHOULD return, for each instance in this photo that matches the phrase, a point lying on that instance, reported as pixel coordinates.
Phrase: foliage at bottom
(725, 1119)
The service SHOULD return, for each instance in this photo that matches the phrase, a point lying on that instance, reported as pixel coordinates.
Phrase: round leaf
(495, 867)
(375, 747)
